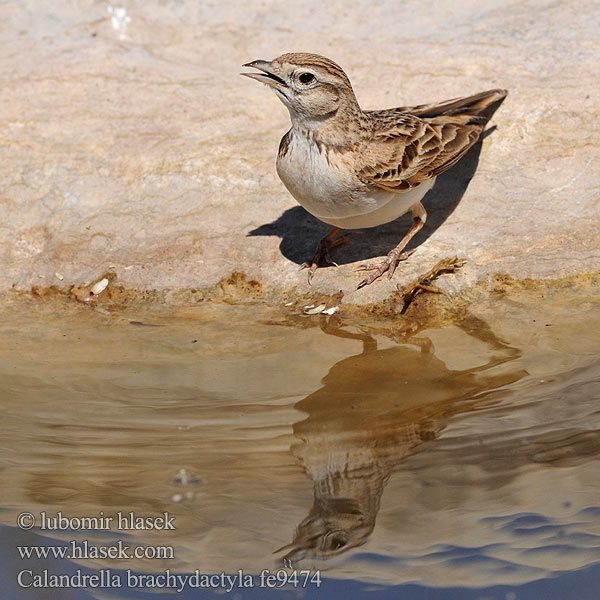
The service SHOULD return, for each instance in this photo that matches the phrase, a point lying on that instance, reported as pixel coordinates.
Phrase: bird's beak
(267, 76)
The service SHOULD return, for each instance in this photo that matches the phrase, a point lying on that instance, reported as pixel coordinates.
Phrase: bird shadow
(300, 231)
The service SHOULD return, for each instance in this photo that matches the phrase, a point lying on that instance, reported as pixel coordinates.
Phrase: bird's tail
(480, 106)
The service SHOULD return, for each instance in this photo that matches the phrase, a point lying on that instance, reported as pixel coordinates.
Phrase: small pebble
(316, 310)
(99, 287)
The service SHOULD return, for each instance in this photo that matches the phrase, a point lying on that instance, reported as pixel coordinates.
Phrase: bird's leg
(396, 255)
(325, 245)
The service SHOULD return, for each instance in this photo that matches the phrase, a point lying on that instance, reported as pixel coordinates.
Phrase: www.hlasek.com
(81, 550)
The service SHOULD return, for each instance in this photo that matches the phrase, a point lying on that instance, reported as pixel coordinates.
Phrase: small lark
(353, 168)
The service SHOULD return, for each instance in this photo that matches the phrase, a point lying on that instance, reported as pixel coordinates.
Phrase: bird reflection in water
(374, 410)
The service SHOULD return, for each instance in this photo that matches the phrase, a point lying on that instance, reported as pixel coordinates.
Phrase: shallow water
(450, 463)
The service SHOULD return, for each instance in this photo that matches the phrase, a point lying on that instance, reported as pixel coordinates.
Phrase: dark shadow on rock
(300, 232)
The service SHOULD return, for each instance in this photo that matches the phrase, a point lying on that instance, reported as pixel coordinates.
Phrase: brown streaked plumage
(353, 168)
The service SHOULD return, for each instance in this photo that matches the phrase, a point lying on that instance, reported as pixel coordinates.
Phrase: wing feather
(409, 145)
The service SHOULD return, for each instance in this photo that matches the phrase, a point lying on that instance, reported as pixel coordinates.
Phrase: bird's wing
(407, 148)
(408, 151)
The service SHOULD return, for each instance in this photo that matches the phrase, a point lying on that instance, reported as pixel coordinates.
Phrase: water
(458, 462)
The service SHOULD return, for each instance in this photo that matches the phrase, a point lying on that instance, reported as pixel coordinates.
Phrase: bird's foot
(389, 264)
(322, 252)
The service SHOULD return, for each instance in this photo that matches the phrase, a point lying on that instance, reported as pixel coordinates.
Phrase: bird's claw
(325, 245)
(389, 265)
(312, 266)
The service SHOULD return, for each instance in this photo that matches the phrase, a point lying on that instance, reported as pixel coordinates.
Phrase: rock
(130, 140)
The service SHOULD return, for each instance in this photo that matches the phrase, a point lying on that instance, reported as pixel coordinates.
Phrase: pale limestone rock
(130, 139)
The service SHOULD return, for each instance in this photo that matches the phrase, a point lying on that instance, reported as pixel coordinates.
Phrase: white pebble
(99, 286)
(316, 310)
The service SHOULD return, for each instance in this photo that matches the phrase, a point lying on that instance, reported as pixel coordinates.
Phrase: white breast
(330, 191)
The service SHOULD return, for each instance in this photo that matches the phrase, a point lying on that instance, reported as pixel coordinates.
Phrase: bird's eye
(306, 78)
(336, 542)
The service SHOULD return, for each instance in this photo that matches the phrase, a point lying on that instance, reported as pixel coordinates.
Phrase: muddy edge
(292, 307)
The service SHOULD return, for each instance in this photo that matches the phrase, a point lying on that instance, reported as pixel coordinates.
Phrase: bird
(354, 168)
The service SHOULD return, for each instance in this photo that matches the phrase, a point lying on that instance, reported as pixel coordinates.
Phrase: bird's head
(313, 88)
